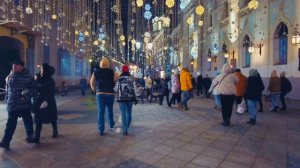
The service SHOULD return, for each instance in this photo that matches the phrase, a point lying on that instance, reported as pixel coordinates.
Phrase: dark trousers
(83, 91)
(227, 102)
(282, 95)
(149, 93)
(39, 126)
(161, 97)
(207, 94)
(175, 96)
(199, 90)
(260, 103)
(12, 124)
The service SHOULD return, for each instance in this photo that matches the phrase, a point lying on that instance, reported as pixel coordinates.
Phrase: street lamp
(296, 38)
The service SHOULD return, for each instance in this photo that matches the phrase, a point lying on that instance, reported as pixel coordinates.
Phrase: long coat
(46, 92)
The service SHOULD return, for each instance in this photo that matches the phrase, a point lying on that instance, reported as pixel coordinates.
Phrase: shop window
(64, 62)
(46, 54)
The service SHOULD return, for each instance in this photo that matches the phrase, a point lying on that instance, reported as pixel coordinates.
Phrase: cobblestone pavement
(160, 137)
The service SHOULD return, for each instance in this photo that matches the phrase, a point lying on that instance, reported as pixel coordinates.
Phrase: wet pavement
(159, 137)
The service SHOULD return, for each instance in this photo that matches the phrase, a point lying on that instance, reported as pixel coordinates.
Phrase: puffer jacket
(125, 88)
(16, 83)
(185, 80)
(241, 86)
(227, 85)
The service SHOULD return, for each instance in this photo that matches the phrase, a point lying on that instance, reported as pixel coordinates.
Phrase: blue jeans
(217, 101)
(252, 108)
(105, 102)
(186, 95)
(274, 100)
(12, 124)
(126, 110)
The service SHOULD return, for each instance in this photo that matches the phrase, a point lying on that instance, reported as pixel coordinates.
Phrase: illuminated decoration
(76, 32)
(133, 41)
(226, 55)
(155, 24)
(234, 6)
(148, 15)
(251, 49)
(184, 4)
(54, 16)
(166, 21)
(296, 38)
(147, 7)
(146, 39)
(147, 34)
(138, 45)
(81, 37)
(96, 42)
(122, 38)
(199, 10)
(150, 46)
(139, 3)
(123, 43)
(86, 33)
(90, 60)
(103, 41)
(253, 4)
(170, 3)
(208, 59)
(190, 20)
(233, 21)
(28, 10)
(200, 23)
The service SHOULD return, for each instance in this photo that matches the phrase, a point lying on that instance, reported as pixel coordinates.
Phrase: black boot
(251, 121)
(55, 131)
(34, 140)
(4, 145)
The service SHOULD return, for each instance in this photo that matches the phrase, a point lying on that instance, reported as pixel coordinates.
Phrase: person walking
(83, 85)
(175, 89)
(126, 95)
(254, 88)
(186, 87)
(213, 89)
(261, 109)
(241, 87)
(20, 87)
(286, 87)
(148, 86)
(274, 89)
(44, 106)
(206, 84)
(102, 82)
(199, 85)
(227, 90)
(163, 90)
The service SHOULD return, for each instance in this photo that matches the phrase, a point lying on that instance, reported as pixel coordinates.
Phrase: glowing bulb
(200, 10)
(54, 16)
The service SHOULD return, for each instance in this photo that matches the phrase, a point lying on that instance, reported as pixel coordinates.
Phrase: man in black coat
(199, 84)
(207, 83)
(286, 87)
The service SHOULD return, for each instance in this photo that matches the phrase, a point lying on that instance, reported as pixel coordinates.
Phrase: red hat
(125, 68)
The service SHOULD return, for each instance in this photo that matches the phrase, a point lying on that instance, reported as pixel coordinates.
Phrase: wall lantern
(296, 38)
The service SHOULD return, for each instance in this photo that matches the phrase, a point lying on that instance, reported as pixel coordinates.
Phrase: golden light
(170, 3)
(295, 39)
(86, 33)
(90, 60)
(226, 55)
(123, 43)
(166, 21)
(200, 23)
(208, 59)
(76, 32)
(200, 10)
(54, 16)
(122, 38)
(251, 49)
(133, 41)
(96, 42)
(253, 4)
(139, 3)
(190, 20)
(103, 41)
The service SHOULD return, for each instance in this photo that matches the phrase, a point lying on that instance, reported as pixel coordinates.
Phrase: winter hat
(282, 73)
(125, 68)
(104, 63)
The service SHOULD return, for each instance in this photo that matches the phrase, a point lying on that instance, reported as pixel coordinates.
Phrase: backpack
(126, 89)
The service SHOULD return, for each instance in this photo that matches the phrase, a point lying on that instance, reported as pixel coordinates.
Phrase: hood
(104, 63)
(226, 68)
(48, 70)
(253, 72)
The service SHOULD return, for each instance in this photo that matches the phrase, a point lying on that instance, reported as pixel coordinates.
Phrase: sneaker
(4, 145)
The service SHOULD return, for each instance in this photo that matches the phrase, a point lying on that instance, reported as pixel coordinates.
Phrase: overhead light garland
(253, 4)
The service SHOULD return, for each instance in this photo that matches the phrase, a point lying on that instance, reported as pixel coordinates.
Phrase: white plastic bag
(241, 107)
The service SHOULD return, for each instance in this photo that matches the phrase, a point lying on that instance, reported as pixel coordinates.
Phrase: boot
(35, 140)
(251, 121)
(55, 134)
(55, 131)
(4, 145)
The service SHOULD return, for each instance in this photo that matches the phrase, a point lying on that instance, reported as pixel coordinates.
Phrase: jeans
(252, 108)
(186, 95)
(175, 96)
(83, 91)
(126, 110)
(274, 100)
(218, 100)
(12, 124)
(105, 102)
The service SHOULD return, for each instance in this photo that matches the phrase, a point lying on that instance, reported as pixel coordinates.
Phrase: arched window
(281, 44)
(64, 62)
(246, 53)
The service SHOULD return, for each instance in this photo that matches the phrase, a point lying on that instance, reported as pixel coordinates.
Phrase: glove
(44, 105)
(24, 92)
